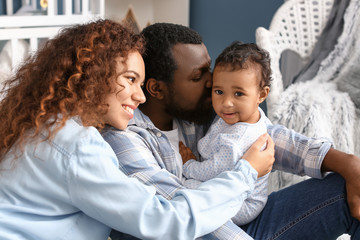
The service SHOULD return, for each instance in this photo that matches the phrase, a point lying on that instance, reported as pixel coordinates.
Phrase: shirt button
(158, 134)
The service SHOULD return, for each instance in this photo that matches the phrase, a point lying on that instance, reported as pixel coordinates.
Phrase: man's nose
(208, 83)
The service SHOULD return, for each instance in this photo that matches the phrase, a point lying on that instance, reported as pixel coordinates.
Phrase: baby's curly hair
(239, 55)
(69, 76)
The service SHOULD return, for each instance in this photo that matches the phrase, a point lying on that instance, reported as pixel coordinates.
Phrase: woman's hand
(261, 160)
(185, 152)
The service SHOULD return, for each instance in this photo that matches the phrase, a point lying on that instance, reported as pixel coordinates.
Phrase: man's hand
(348, 166)
(353, 195)
(185, 152)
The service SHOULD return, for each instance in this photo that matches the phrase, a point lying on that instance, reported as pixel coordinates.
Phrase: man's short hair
(158, 57)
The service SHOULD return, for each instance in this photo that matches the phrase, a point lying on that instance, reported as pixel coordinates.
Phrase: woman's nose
(139, 95)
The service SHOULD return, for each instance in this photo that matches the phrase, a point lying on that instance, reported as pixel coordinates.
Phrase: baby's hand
(185, 152)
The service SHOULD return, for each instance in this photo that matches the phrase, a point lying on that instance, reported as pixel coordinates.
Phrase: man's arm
(136, 159)
(314, 157)
(348, 166)
(297, 153)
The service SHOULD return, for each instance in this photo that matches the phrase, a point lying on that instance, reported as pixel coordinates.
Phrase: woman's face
(127, 94)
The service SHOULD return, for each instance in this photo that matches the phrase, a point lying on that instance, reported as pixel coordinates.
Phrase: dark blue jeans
(115, 235)
(313, 209)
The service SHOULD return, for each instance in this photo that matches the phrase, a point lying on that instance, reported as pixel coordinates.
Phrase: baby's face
(236, 95)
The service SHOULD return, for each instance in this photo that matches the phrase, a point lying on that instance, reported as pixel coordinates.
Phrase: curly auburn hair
(239, 55)
(68, 77)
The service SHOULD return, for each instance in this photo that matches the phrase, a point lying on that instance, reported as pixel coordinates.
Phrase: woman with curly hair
(58, 178)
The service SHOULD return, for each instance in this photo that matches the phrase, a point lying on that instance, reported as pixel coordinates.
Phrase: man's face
(189, 95)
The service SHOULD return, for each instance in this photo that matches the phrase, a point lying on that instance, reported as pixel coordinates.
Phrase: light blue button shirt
(70, 187)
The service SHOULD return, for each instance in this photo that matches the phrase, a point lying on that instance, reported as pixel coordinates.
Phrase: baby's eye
(219, 92)
(238, 94)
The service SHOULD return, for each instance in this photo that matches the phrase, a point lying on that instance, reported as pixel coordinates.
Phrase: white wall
(174, 11)
(149, 11)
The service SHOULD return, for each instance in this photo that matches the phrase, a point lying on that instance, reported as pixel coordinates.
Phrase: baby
(241, 81)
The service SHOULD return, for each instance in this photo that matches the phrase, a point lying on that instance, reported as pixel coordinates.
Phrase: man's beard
(202, 113)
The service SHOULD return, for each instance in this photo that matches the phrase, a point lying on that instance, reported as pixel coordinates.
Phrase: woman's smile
(129, 110)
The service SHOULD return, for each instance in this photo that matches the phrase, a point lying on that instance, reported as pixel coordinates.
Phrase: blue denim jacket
(70, 187)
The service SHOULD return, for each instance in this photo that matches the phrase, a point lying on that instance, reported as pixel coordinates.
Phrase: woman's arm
(101, 191)
(137, 159)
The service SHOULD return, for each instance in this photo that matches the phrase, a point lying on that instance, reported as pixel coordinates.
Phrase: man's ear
(264, 92)
(155, 88)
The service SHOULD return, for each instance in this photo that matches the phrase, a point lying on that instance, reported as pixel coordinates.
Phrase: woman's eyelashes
(131, 78)
(136, 79)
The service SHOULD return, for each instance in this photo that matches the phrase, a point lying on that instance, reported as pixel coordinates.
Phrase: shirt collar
(141, 120)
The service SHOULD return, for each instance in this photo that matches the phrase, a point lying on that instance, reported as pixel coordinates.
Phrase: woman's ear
(264, 92)
(155, 88)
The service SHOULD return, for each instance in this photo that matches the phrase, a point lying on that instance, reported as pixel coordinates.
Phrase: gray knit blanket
(328, 105)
